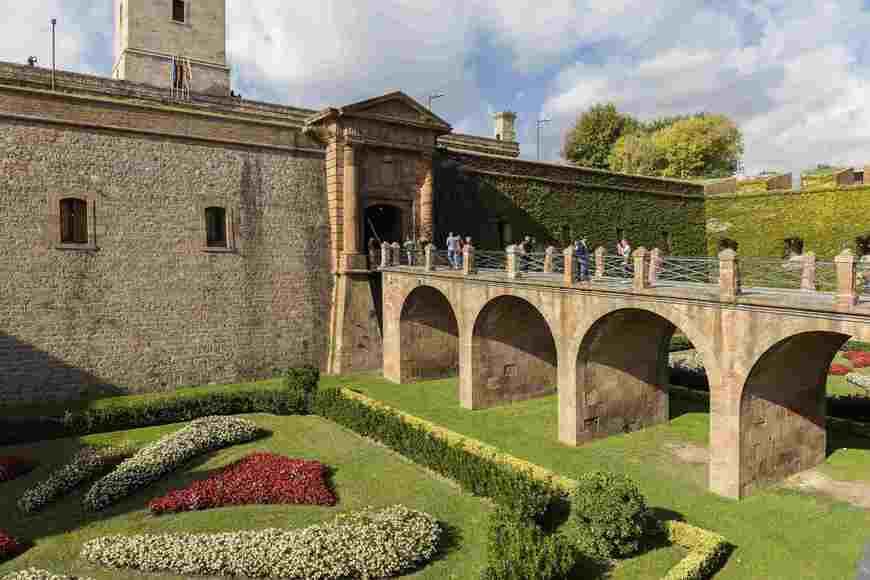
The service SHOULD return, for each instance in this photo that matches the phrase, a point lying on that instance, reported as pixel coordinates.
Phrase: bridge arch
(621, 377)
(782, 408)
(428, 336)
(513, 352)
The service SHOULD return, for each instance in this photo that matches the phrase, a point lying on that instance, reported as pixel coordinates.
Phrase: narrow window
(862, 245)
(216, 227)
(73, 221)
(793, 247)
(178, 10)
(727, 244)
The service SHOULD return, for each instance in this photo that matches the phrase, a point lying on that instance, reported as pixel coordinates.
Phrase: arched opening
(623, 374)
(383, 223)
(782, 409)
(513, 353)
(429, 336)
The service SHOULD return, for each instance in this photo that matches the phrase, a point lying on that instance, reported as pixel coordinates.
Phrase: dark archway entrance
(383, 223)
(429, 336)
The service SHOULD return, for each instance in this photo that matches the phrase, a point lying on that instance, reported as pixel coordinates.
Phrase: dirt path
(856, 493)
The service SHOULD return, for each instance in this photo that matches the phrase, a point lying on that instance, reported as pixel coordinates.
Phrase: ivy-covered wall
(827, 220)
(476, 195)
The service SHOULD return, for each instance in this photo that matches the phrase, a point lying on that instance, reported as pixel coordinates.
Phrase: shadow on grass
(841, 437)
(450, 542)
(682, 402)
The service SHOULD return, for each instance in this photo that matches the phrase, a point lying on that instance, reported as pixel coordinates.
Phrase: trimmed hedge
(136, 411)
(708, 551)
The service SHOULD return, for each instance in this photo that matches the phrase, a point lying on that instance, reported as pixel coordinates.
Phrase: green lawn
(364, 474)
(778, 534)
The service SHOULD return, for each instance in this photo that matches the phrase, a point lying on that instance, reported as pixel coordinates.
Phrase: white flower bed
(85, 465)
(859, 380)
(166, 454)
(366, 544)
(37, 574)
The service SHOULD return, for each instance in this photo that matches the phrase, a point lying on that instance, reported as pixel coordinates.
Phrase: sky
(792, 74)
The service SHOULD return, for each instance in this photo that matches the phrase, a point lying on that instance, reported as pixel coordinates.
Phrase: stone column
(568, 276)
(386, 250)
(430, 258)
(729, 275)
(350, 211)
(427, 224)
(655, 257)
(808, 273)
(641, 269)
(548, 260)
(846, 296)
(468, 260)
(513, 270)
(397, 254)
(599, 262)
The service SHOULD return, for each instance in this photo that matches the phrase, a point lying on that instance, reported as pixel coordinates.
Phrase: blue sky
(792, 74)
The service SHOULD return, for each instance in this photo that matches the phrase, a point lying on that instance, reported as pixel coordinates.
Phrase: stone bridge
(514, 332)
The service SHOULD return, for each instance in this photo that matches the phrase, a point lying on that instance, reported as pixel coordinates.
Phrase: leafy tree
(701, 146)
(591, 139)
(636, 153)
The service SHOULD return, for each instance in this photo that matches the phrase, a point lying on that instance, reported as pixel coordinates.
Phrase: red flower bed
(9, 546)
(859, 358)
(838, 369)
(259, 478)
(11, 467)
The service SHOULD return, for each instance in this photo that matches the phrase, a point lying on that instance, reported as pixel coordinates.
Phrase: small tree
(591, 140)
(702, 146)
(636, 153)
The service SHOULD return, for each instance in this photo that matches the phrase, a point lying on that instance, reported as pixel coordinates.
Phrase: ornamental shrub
(838, 369)
(166, 455)
(608, 515)
(518, 549)
(12, 467)
(366, 544)
(88, 463)
(9, 546)
(37, 574)
(258, 478)
(301, 382)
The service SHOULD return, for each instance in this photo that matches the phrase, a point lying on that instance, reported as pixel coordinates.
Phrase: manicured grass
(777, 533)
(364, 474)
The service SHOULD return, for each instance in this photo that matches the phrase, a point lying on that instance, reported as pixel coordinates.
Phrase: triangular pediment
(396, 106)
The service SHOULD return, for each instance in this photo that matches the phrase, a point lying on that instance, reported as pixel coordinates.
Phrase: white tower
(177, 44)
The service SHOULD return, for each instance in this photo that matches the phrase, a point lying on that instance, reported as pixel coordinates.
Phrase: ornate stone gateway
(378, 165)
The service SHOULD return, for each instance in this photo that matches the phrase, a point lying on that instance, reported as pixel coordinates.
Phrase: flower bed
(166, 454)
(859, 380)
(37, 574)
(259, 478)
(859, 358)
(12, 467)
(838, 369)
(87, 464)
(365, 544)
(9, 546)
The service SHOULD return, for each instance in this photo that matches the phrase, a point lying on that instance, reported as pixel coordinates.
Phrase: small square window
(178, 10)
(216, 227)
(73, 221)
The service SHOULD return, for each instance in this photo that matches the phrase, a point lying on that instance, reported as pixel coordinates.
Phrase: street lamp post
(539, 123)
(432, 97)
(53, 24)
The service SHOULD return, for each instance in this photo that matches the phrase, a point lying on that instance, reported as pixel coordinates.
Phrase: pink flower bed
(859, 359)
(9, 546)
(259, 478)
(12, 467)
(838, 369)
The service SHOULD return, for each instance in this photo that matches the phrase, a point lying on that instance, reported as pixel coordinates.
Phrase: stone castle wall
(149, 308)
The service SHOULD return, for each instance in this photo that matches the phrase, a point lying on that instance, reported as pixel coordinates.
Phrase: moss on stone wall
(826, 219)
(477, 204)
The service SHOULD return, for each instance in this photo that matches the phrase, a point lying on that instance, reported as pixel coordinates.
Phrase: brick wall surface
(149, 309)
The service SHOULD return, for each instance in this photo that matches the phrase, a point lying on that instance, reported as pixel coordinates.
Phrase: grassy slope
(770, 529)
(365, 474)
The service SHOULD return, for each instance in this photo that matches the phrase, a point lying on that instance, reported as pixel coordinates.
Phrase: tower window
(793, 247)
(178, 10)
(216, 227)
(73, 221)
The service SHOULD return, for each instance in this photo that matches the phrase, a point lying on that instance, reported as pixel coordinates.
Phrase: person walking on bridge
(581, 254)
(452, 249)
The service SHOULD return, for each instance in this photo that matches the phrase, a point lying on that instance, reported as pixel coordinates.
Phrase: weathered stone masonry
(150, 308)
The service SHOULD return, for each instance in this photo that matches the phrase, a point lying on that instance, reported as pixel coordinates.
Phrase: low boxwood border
(707, 551)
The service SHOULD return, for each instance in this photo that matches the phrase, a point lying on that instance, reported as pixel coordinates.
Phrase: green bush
(608, 515)
(518, 549)
(302, 381)
(478, 475)
(135, 411)
(708, 551)
(680, 342)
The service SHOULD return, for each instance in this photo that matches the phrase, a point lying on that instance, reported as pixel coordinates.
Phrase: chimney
(504, 126)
